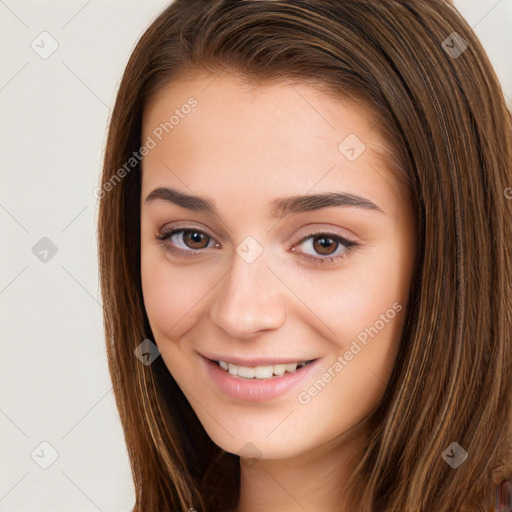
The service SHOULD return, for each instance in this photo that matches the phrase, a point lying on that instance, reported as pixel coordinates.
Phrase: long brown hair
(422, 72)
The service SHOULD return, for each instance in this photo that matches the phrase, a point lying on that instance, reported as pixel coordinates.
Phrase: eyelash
(349, 245)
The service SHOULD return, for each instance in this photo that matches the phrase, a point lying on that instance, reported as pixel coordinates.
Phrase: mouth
(261, 381)
(261, 372)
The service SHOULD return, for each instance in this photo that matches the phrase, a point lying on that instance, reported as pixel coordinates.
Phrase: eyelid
(187, 226)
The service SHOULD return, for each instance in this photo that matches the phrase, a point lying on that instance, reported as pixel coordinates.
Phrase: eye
(187, 242)
(329, 246)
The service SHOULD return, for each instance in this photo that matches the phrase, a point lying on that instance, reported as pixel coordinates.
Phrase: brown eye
(186, 241)
(195, 239)
(325, 245)
(321, 248)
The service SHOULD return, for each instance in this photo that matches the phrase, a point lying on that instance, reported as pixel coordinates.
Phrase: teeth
(245, 371)
(260, 372)
(279, 369)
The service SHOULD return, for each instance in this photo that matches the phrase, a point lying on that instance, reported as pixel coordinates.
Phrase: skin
(243, 146)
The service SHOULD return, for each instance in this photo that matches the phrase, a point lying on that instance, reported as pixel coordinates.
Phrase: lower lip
(257, 390)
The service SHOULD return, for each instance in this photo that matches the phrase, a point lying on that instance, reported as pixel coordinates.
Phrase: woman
(304, 248)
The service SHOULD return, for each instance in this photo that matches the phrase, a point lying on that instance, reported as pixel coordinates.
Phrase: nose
(249, 299)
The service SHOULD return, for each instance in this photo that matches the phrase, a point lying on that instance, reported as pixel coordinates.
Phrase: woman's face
(283, 240)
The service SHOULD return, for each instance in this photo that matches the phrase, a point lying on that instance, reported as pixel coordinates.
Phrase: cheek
(369, 289)
(171, 294)
(367, 320)
(333, 404)
(365, 307)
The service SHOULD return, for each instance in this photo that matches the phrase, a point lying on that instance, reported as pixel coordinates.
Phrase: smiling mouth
(262, 372)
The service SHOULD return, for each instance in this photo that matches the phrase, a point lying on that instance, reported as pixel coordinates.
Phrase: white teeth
(279, 369)
(245, 371)
(260, 372)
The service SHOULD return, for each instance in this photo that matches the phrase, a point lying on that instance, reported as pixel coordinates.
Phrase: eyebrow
(280, 207)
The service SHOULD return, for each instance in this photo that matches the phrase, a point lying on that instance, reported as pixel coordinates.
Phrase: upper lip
(256, 361)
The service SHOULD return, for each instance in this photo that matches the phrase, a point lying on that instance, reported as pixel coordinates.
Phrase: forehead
(284, 102)
(283, 134)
